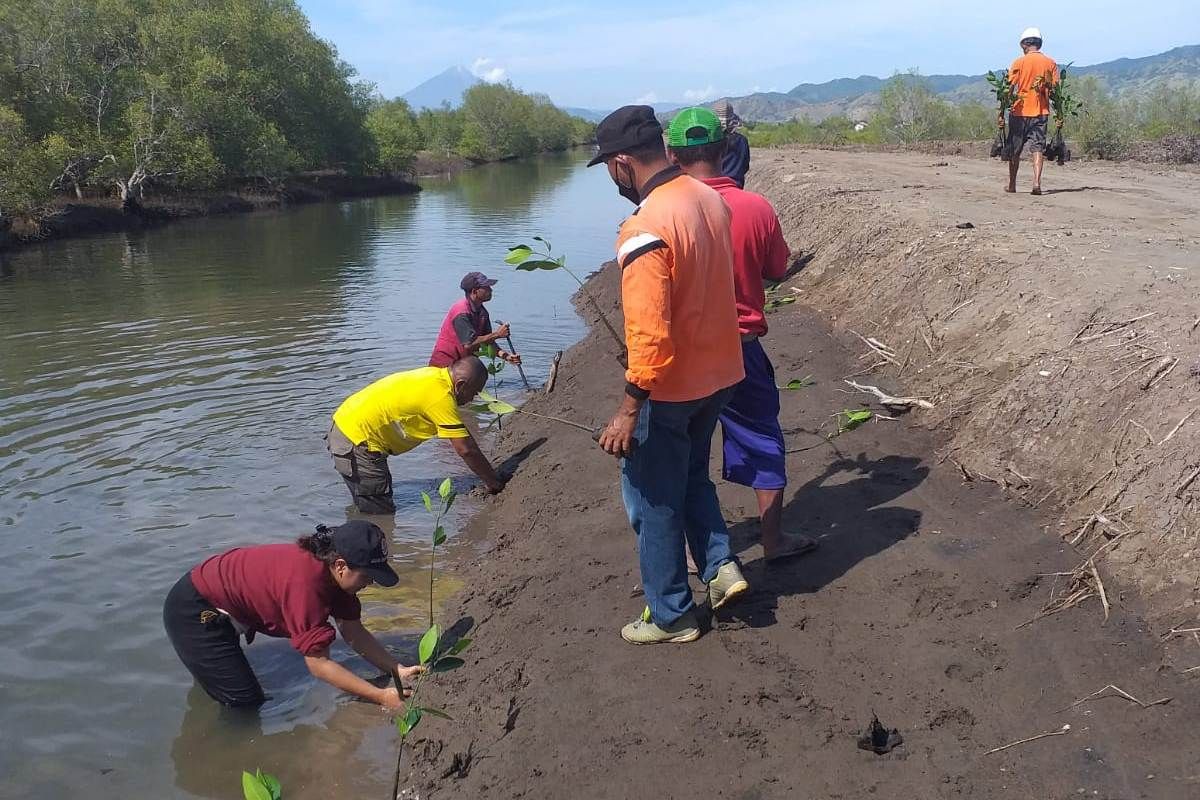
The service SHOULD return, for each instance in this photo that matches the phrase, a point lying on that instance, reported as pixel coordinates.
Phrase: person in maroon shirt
(290, 591)
(753, 441)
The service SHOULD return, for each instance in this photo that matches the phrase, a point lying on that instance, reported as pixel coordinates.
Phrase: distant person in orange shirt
(1032, 75)
(685, 358)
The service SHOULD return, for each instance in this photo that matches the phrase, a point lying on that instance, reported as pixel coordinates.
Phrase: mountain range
(857, 97)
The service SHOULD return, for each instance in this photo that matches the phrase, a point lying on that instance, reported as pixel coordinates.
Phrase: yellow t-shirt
(395, 414)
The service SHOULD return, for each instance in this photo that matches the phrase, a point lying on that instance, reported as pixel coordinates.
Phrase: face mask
(627, 190)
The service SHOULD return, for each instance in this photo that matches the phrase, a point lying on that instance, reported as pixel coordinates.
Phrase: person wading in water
(468, 326)
(289, 591)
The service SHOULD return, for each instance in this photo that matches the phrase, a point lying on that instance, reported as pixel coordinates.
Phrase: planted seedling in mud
(492, 405)
(1006, 97)
(261, 786)
(528, 259)
(431, 652)
(847, 420)
(494, 365)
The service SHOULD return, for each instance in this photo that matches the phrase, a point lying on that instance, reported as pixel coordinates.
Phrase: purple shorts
(753, 441)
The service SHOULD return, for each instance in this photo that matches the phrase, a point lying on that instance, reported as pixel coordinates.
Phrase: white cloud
(649, 98)
(699, 95)
(487, 70)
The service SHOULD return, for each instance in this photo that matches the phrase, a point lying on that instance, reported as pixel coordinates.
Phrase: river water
(163, 396)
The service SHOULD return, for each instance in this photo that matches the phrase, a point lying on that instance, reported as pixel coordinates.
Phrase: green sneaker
(728, 585)
(643, 631)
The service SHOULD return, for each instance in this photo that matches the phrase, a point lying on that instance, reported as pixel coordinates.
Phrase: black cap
(476, 280)
(626, 128)
(360, 543)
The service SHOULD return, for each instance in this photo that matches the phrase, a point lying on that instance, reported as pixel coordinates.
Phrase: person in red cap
(468, 327)
(289, 591)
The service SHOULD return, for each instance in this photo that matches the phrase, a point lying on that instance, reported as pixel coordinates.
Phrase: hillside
(856, 97)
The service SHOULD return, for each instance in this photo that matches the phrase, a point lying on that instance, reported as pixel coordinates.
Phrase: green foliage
(1003, 89)
(428, 644)
(848, 420)
(25, 169)
(1103, 131)
(260, 786)
(1063, 104)
(492, 405)
(798, 383)
(908, 108)
(397, 136)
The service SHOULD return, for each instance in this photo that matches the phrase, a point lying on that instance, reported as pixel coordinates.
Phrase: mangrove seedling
(498, 407)
(528, 259)
(847, 420)
(1063, 104)
(260, 786)
(1006, 97)
(494, 365)
(430, 651)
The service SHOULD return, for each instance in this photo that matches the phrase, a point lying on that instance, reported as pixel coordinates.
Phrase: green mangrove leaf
(437, 712)
(428, 644)
(459, 646)
(409, 721)
(448, 501)
(798, 383)
(428, 501)
(439, 535)
(501, 407)
(272, 784)
(518, 254)
(444, 488)
(446, 663)
(532, 264)
(849, 420)
(253, 788)
(543, 241)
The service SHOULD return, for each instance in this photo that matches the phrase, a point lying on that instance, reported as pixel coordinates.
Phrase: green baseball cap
(694, 126)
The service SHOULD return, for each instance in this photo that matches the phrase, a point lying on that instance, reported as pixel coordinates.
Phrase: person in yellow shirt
(395, 414)
(1032, 76)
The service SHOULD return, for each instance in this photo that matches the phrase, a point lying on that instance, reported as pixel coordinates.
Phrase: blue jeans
(668, 496)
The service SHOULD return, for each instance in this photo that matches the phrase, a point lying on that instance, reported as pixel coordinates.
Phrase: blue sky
(601, 55)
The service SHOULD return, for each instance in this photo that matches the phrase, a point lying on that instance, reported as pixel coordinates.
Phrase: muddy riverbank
(69, 219)
(914, 608)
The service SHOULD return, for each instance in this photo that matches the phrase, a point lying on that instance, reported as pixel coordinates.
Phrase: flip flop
(798, 545)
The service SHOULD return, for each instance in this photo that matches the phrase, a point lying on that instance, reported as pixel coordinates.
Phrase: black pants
(365, 472)
(207, 644)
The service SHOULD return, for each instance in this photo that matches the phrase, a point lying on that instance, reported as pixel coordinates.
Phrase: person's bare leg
(1014, 164)
(775, 543)
(1039, 161)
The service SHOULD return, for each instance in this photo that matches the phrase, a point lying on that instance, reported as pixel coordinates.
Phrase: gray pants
(364, 471)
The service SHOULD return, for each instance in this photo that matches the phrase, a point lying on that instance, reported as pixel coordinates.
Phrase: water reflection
(164, 395)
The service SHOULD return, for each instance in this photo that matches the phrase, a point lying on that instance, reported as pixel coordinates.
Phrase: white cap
(1031, 33)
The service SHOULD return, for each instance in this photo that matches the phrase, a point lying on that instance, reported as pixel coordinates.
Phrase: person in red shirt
(1032, 76)
(753, 441)
(467, 326)
(289, 591)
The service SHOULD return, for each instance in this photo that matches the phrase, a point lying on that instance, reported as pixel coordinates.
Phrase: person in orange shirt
(1032, 75)
(685, 358)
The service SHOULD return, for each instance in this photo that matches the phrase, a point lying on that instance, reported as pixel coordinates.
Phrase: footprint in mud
(958, 719)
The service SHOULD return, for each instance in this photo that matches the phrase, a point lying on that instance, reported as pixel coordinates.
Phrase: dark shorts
(208, 645)
(365, 472)
(1026, 130)
(753, 441)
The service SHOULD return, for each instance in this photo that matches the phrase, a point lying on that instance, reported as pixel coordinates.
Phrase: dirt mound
(1057, 336)
(914, 608)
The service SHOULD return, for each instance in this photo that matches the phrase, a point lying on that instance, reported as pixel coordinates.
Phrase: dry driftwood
(1120, 693)
(887, 400)
(553, 372)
